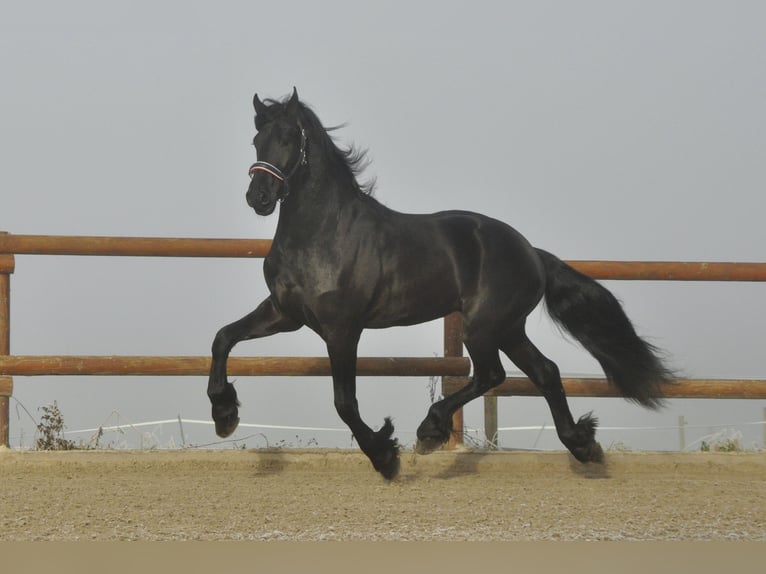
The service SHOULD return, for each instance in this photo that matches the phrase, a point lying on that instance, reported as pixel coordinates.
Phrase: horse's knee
(221, 343)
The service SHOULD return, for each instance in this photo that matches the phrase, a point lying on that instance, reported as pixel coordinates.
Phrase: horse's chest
(301, 284)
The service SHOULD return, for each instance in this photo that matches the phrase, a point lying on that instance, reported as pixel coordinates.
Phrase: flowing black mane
(350, 161)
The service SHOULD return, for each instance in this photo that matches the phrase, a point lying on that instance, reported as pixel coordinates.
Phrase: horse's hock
(452, 367)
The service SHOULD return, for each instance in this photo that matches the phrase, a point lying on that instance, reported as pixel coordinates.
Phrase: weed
(297, 444)
(51, 429)
(619, 446)
(433, 383)
(724, 441)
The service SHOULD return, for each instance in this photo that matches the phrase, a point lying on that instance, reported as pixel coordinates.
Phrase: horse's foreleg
(379, 446)
(265, 320)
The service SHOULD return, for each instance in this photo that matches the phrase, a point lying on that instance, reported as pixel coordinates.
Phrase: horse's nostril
(257, 198)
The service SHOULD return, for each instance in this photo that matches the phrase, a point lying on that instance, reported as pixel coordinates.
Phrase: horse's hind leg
(578, 437)
(488, 372)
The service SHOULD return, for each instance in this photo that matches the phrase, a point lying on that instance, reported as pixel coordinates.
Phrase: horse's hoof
(427, 445)
(384, 451)
(226, 427)
(389, 466)
(432, 433)
(589, 453)
(225, 409)
(596, 453)
(226, 419)
(585, 431)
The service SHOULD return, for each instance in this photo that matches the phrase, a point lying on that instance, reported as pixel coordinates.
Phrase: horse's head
(280, 145)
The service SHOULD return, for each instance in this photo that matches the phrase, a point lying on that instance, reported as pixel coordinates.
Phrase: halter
(277, 173)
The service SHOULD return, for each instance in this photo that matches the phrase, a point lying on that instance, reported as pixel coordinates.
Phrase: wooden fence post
(681, 433)
(7, 264)
(490, 422)
(453, 347)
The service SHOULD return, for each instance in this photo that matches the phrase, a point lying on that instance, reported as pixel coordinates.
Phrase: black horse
(342, 262)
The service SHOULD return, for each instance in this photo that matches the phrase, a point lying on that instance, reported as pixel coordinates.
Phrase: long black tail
(593, 316)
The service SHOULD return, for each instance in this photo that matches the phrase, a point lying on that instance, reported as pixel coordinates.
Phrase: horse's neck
(311, 213)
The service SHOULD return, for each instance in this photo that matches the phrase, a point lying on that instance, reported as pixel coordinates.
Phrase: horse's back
(491, 243)
(496, 265)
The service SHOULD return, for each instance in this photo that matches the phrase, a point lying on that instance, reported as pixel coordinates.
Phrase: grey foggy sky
(600, 130)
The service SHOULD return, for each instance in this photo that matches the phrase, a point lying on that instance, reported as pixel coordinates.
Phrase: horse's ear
(259, 106)
(292, 105)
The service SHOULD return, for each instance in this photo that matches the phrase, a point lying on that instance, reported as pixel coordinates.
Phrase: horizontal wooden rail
(132, 246)
(11, 244)
(237, 366)
(671, 270)
(599, 387)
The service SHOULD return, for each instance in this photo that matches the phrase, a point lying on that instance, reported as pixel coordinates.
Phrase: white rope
(676, 427)
(546, 426)
(193, 421)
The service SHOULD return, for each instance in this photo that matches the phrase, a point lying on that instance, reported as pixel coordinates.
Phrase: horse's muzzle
(261, 201)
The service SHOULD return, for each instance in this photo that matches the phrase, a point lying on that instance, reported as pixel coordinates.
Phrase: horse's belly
(412, 308)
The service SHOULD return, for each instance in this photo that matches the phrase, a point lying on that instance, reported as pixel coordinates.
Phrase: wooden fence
(452, 367)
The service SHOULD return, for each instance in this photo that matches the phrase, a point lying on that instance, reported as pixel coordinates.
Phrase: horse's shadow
(589, 469)
(269, 461)
(468, 463)
(275, 461)
(461, 464)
